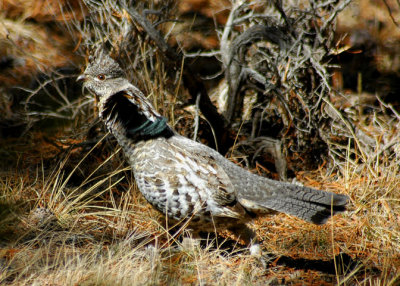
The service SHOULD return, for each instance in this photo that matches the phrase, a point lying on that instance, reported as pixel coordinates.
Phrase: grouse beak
(82, 77)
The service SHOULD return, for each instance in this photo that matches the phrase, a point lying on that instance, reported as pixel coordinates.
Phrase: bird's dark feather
(136, 124)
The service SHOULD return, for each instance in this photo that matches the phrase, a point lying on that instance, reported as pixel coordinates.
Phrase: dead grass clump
(70, 213)
(369, 230)
(96, 235)
(83, 238)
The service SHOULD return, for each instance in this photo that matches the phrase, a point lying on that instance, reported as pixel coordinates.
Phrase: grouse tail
(303, 202)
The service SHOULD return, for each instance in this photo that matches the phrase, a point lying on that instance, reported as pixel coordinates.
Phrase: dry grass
(94, 234)
(70, 213)
(94, 238)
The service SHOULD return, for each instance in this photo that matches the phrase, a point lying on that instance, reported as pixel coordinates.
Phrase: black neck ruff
(136, 124)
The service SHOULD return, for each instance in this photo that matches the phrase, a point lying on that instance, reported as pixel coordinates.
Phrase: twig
(391, 14)
(191, 81)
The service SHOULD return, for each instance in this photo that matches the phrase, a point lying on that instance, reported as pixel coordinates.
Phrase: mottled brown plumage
(186, 180)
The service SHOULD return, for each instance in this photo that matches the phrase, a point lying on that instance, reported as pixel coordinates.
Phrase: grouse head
(103, 76)
(122, 105)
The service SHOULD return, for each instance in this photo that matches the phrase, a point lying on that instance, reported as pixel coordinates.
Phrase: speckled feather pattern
(186, 180)
(184, 185)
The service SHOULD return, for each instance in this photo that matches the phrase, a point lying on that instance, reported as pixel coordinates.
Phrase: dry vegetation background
(315, 98)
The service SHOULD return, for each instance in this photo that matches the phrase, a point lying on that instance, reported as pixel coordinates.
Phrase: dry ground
(70, 213)
(102, 232)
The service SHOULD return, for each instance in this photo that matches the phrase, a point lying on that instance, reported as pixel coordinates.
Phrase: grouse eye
(101, 77)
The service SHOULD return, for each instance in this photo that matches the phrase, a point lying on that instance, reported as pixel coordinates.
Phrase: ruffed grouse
(186, 180)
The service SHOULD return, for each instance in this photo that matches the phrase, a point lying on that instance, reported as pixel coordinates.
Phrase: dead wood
(191, 81)
(236, 72)
(276, 64)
